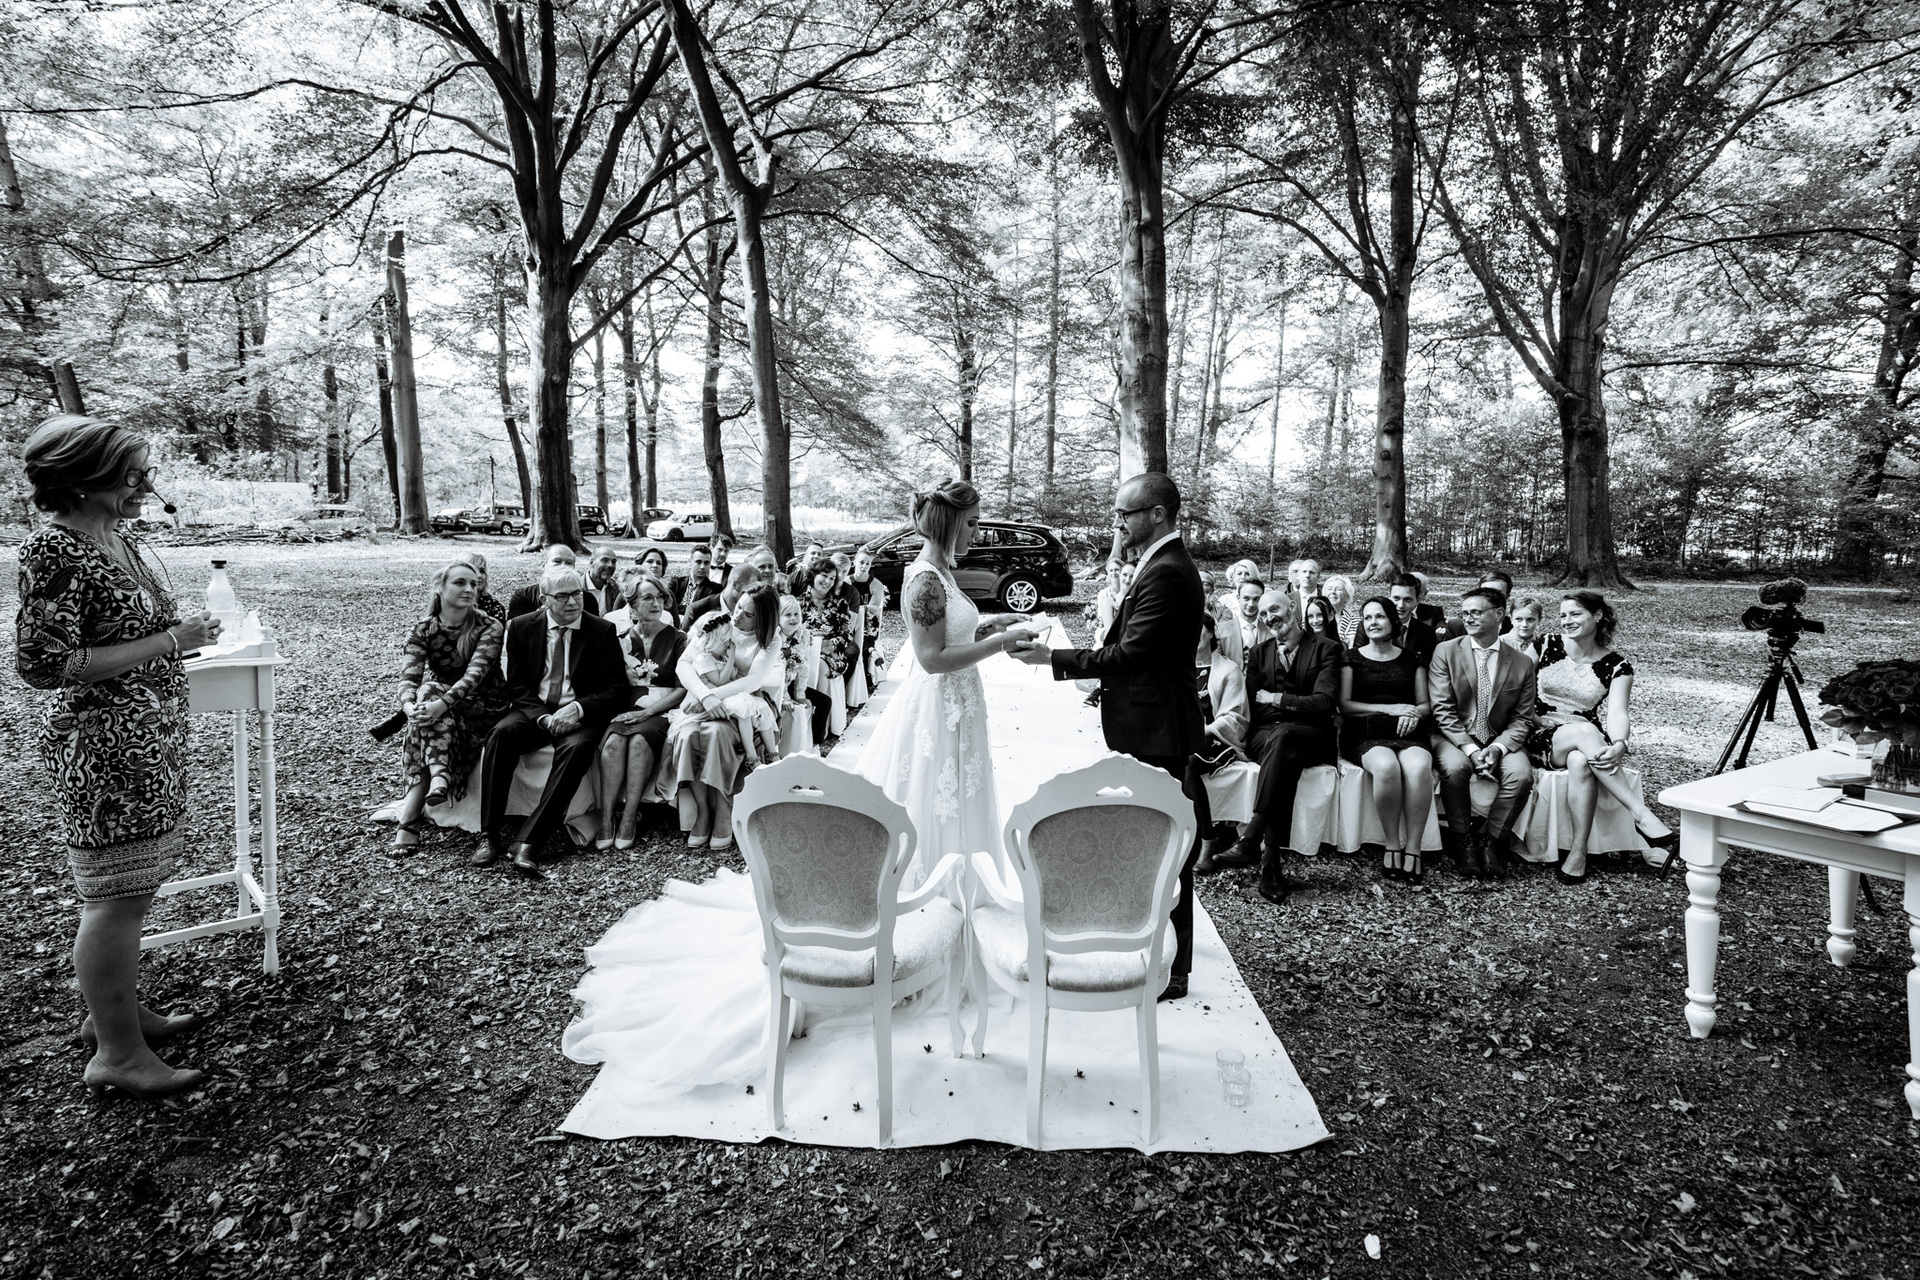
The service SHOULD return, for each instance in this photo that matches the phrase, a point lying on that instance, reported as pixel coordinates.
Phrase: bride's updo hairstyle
(937, 512)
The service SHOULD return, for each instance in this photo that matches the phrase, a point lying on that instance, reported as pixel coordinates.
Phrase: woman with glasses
(99, 626)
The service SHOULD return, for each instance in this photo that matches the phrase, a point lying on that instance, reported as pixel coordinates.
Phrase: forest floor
(1505, 1068)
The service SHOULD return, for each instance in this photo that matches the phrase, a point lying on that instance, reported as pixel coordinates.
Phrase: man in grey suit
(1483, 712)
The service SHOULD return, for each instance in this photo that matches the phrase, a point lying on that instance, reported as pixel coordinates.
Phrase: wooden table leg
(1911, 902)
(1704, 855)
(1843, 891)
(269, 850)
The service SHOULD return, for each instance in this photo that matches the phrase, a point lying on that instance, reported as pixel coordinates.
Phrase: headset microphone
(165, 506)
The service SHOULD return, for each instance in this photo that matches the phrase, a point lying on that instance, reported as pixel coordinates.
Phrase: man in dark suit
(1293, 690)
(696, 586)
(603, 587)
(1149, 708)
(1420, 633)
(1483, 712)
(567, 680)
(527, 599)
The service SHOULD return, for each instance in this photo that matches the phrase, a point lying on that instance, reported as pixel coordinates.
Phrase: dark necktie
(556, 668)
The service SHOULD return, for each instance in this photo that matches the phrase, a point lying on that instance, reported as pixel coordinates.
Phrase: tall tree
(1597, 120)
(29, 302)
(406, 395)
(1145, 59)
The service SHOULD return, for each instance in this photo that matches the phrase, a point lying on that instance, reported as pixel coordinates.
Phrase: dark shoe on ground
(167, 1027)
(1472, 859)
(1242, 854)
(525, 863)
(99, 1079)
(490, 850)
(1274, 886)
(1560, 872)
(1176, 988)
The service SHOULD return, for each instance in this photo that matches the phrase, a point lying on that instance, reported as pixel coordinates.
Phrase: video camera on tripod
(1778, 614)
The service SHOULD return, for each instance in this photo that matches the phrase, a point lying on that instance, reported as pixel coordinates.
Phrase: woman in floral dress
(453, 693)
(825, 616)
(99, 626)
(1584, 724)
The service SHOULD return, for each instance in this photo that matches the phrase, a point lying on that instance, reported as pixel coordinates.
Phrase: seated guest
(603, 587)
(722, 547)
(766, 568)
(654, 561)
(870, 613)
(1384, 707)
(1303, 582)
(697, 585)
(1293, 686)
(528, 599)
(1237, 572)
(622, 617)
(1483, 696)
(1584, 724)
(1275, 605)
(452, 693)
(651, 650)
(1223, 704)
(1500, 581)
(1322, 621)
(1416, 631)
(1432, 614)
(486, 603)
(858, 685)
(1346, 610)
(799, 572)
(796, 712)
(566, 680)
(1106, 605)
(704, 748)
(1239, 638)
(739, 581)
(826, 618)
(1526, 620)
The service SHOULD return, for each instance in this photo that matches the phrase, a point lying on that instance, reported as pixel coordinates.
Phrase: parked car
(508, 519)
(647, 515)
(593, 521)
(696, 525)
(330, 517)
(452, 520)
(1015, 565)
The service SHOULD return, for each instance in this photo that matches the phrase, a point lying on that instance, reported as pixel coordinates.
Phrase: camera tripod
(1781, 670)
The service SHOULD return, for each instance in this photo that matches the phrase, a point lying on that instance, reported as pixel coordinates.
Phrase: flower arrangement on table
(1879, 702)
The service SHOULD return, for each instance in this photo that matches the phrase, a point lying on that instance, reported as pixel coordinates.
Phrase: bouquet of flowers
(1875, 701)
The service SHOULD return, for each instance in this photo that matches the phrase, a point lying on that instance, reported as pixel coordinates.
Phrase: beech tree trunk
(406, 400)
(550, 348)
(508, 414)
(330, 389)
(629, 389)
(389, 444)
(968, 382)
(747, 195)
(1393, 305)
(1586, 468)
(715, 280)
(36, 291)
(1860, 547)
(600, 418)
(655, 380)
(1053, 298)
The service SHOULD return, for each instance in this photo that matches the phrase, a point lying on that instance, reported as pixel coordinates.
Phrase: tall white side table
(239, 683)
(1709, 824)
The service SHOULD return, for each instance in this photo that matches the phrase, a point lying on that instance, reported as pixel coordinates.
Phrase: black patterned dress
(116, 747)
(1571, 691)
(476, 695)
(833, 623)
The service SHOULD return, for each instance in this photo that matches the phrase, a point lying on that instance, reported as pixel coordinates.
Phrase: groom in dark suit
(567, 680)
(1149, 708)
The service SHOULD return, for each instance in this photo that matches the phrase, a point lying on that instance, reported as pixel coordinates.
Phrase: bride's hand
(996, 623)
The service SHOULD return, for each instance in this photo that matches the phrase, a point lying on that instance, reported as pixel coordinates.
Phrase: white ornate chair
(826, 849)
(1097, 855)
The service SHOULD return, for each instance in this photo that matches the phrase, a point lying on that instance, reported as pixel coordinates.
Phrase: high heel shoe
(99, 1079)
(1413, 866)
(697, 841)
(175, 1025)
(406, 836)
(1671, 843)
(1561, 874)
(437, 790)
(723, 840)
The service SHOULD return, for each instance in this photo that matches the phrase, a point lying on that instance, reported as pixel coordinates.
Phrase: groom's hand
(1033, 652)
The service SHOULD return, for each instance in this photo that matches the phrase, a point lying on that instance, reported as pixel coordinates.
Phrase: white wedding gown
(676, 993)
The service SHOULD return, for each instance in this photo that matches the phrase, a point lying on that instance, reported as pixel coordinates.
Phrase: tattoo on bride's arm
(927, 601)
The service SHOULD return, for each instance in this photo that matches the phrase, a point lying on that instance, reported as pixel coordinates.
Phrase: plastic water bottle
(221, 602)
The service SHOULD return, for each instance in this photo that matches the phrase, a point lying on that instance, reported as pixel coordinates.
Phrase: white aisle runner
(1040, 727)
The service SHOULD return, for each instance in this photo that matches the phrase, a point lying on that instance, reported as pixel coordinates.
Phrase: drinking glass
(1227, 1060)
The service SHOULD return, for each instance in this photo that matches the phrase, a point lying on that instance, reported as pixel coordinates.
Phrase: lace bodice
(1571, 687)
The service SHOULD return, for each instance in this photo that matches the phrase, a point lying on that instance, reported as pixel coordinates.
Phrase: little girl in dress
(752, 714)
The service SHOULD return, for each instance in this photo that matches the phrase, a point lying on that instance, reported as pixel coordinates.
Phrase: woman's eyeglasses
(140, 478)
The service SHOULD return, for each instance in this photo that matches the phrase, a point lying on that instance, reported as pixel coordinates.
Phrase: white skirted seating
(1547, 824)
(1332, 806)
(1096, 854)
(826, 849)
(529, 779)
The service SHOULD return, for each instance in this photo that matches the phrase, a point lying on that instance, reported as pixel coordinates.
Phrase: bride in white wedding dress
(676, 993)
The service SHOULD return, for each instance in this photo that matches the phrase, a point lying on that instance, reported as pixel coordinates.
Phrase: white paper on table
(1799, 799)
(1853, 819)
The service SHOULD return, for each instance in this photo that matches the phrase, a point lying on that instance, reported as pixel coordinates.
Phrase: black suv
(593, 521)
(1016, 565)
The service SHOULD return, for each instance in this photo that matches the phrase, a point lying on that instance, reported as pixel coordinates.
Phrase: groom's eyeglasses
(1121, 513)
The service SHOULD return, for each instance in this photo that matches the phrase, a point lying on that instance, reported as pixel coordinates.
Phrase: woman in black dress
(1384, 701)
(632, 746)
(99, 627)
(452, 691)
